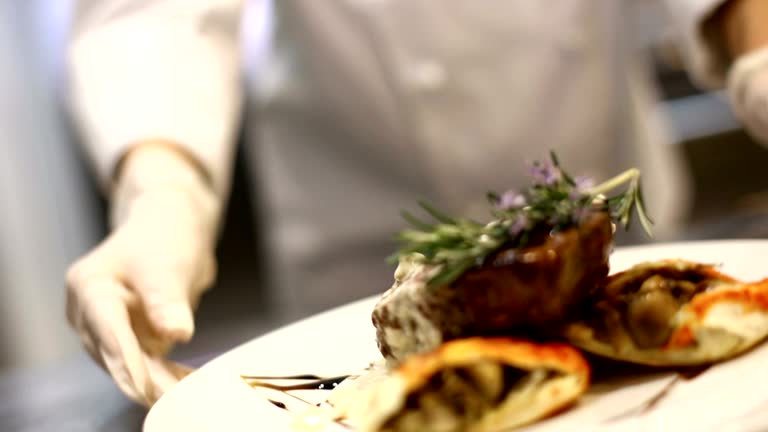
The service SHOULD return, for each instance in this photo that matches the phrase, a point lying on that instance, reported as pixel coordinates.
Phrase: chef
(360, 108)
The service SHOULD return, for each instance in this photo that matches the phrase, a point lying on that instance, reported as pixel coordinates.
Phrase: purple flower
(580, 214)
(545, 173)
(555, 220)
(511, 199)
(582, 187)
(519, 225)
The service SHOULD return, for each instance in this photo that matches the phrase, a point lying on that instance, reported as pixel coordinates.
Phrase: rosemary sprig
(554, 201)
(622, 205)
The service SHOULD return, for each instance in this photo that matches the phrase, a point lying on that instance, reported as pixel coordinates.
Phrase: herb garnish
(555, 201)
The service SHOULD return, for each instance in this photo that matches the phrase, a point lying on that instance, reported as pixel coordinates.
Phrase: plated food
(485, 325)
(727, 395)
(474, 384)
(672, 313)
(532, 289)
(539, 270)
(527, 271)
(460, 284)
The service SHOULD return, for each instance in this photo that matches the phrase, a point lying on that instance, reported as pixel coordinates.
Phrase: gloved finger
(107, 322)
(179, 370)
(152, 343)
(92, 266)
(747, 85)
(760, 110)
(126, 379)
(167, 303)
(98, 356)
(750, 107)
(74, 313)
(86, 338)
(203, 282)
(205, 277)
(165, 374)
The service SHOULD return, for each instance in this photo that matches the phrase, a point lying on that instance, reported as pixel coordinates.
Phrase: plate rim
(157, 410)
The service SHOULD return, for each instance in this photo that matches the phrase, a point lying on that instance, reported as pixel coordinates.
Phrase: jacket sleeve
(705, 59)
(157, 69)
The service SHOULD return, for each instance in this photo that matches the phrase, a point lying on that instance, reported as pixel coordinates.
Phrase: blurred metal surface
(74, 396)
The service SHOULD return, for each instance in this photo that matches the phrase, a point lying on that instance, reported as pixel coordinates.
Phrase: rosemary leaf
(554, 201)
(416, 222)
(556, 162)
(645, 220)
(450, 274)
(437, 214)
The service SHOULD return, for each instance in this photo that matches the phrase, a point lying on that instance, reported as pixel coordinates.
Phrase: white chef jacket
(363, 107)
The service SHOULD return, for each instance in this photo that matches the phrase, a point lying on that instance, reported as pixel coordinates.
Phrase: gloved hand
(748, 91)
(132, 298)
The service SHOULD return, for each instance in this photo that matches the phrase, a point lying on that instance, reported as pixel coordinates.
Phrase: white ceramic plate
(729, 396)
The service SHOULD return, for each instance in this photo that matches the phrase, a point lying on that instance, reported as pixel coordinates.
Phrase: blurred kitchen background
(51, 213)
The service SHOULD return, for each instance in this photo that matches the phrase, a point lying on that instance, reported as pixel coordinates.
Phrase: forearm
(741, 26)
(157, 71)
(158, 165)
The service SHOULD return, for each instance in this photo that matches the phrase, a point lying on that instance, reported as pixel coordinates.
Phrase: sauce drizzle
(315, 383)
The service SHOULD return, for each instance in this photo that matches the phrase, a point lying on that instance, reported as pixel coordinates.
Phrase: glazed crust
(558, 376)
(516, 291)
(513, 352)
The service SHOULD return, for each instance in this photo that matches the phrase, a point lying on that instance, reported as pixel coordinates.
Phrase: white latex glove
(132, 298)
(748, 91)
